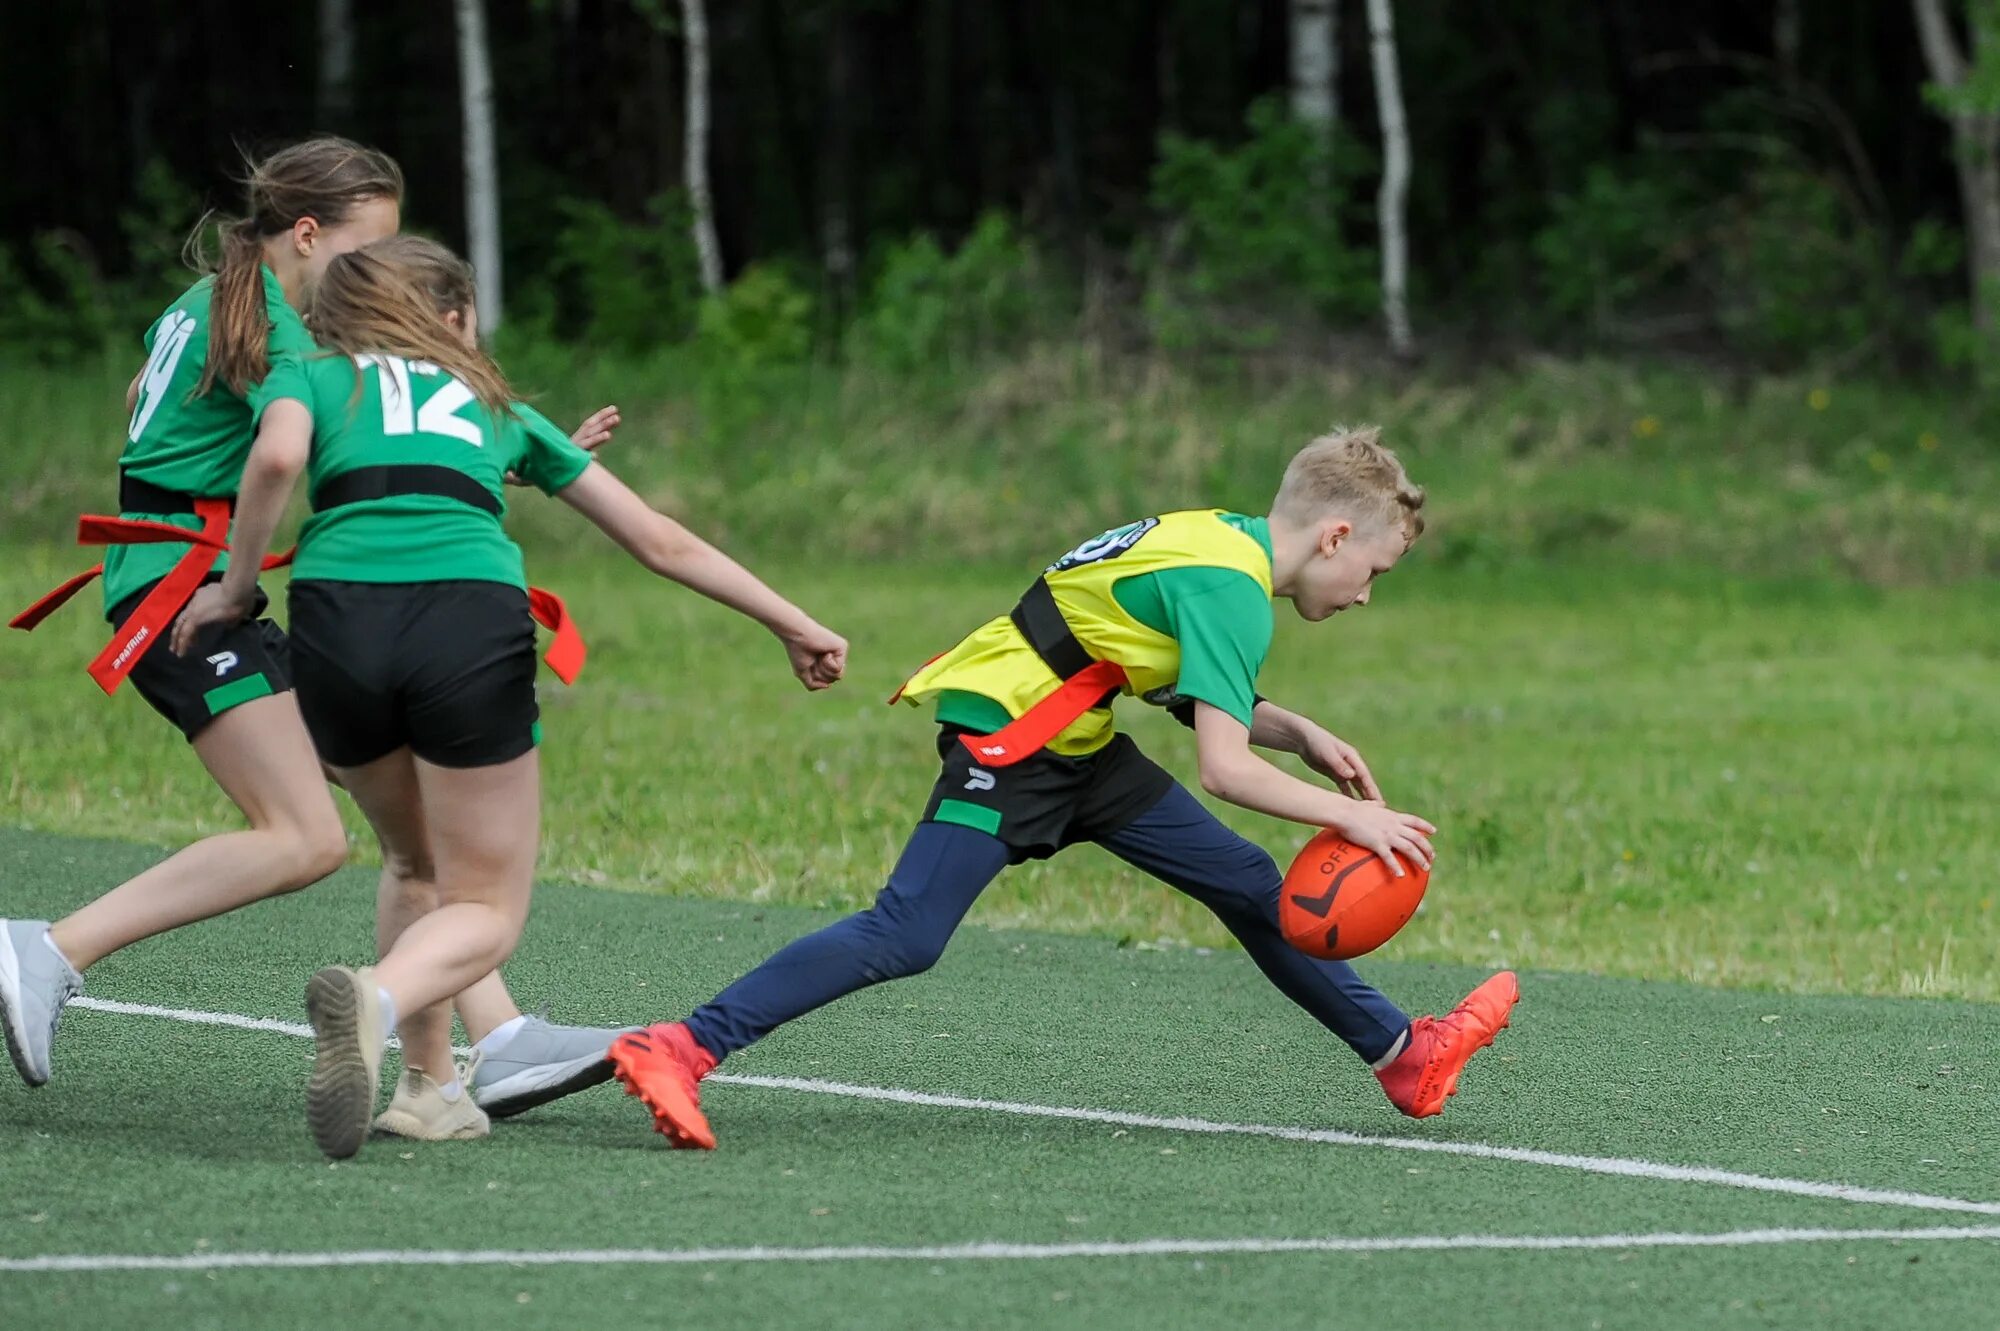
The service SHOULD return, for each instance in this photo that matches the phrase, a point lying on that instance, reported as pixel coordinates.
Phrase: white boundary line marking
(979, 1252)
(1589, 1164)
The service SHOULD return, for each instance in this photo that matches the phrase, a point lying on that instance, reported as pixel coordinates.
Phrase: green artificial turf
(163, 1137)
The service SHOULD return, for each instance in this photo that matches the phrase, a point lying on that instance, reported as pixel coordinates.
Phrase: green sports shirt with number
(371, 411)
(188, 444)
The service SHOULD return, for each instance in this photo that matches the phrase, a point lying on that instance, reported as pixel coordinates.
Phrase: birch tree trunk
(836, 190)
(694, 167)
(1315, 62)
(335, 100)
(1975, 135)
(482, 169)
(1395, 178)
(1787, 31)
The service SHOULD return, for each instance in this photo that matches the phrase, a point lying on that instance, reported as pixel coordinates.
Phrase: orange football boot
(663, 1066)
(1425, 1074)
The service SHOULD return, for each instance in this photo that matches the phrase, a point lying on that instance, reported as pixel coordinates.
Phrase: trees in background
(1967, 92)
(1757, 178)
(701, 204)
(1393, 195)
(1314, 56)
(335, 90)
(482, 161)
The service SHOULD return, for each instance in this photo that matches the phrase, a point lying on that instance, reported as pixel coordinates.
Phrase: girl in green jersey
(412, 646)
(195, 407)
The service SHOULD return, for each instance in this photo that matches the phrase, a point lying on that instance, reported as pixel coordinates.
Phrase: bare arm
(819, 656)
(1230, 771)
(1272, 727)
(284, 441)
(132, 392)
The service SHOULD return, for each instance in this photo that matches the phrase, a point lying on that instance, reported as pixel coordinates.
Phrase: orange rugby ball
(1339, 900)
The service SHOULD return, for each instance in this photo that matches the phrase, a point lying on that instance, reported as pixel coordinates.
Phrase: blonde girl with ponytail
(413, 646)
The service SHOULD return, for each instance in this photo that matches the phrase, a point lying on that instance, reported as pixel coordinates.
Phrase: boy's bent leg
(941, 873)
(1184, 845)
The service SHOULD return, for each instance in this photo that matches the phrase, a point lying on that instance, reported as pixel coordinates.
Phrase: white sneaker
(35, 982)
(420, 1112)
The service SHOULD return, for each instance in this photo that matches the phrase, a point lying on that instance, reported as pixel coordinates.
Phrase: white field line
(1589, 1164)
(979, 1252)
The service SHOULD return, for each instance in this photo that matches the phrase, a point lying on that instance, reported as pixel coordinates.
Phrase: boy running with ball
(1177, 611)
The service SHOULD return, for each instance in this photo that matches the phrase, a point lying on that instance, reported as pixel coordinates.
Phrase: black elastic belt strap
(1041, 622)
(137, 496)
(366, 483)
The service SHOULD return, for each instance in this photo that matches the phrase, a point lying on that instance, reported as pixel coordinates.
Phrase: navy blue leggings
(945, 867)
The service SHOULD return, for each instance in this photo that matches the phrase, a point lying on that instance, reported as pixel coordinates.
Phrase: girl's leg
(942, 871)
(524, 1062)
(483, 828)
(386, 792)
(260, 755)
(1181, 843)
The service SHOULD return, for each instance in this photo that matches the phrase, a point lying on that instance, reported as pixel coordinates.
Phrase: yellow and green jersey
(390, 411)
(1181, 601)
(187, 444)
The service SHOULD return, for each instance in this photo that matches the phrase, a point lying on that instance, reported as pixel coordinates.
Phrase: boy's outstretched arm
(1272, 727)
(1230, 771)
(818, 655)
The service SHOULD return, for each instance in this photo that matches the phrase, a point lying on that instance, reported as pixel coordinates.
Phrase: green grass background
(1698, 676)
(1706, 779)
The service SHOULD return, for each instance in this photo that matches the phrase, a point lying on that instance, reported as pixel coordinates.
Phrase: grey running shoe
(543, 1062)
(346, 1014)
(35, 982)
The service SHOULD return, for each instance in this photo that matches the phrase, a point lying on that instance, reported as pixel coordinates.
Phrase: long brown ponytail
(324, 179)
(379, 299)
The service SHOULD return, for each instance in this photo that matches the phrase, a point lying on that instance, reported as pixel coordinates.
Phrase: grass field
(1813, 1162)
(1699, 679)
(1694, 777)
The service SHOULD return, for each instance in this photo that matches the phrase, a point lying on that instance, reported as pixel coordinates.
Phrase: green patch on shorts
(236, 693)
(535, 734)
(968, 815)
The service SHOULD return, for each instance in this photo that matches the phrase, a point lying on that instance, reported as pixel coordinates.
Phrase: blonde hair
(373, 300)
(324, 178)
(432, 268)
(1347, 471)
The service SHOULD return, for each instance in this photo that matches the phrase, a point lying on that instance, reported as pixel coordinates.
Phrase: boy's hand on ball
(1393, 836)
(1340, 762)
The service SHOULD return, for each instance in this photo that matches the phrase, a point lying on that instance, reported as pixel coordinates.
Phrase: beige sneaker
(346, 1015)
(420, 1112)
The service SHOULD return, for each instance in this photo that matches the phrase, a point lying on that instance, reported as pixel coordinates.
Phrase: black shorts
(228, 667)
(447, 668)
(1043, 803)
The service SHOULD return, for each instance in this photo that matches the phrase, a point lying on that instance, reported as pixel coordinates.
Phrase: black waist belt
(366, 483)
(137, 496)
(1041, 622)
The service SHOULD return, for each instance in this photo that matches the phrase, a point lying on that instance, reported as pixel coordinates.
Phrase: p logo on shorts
(224, 662)
(980, 779)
